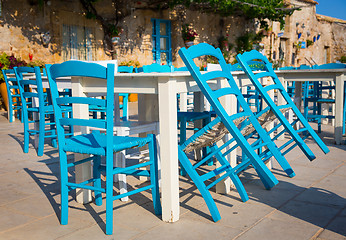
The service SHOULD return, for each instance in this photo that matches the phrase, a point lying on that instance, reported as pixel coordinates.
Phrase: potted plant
(7, 62)
(188, 35)
(309, 43)
(115, 33)
(223, 41)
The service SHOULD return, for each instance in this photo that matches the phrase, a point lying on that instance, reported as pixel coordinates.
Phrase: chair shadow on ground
(50, 186)
(303, 208)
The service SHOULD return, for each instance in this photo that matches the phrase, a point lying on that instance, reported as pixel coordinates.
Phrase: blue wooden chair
(307, 130)
(96, 143)
(241, 126)
(313, 112)
(13, 95)
(46, 127)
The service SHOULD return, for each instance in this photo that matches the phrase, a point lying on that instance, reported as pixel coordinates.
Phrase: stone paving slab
(312, 205)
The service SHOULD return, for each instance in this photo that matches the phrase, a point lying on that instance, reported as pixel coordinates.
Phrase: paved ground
(309, 206)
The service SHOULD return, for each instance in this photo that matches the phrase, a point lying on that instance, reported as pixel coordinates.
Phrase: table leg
(339, 101)
(35, 117)
(229, 102)
(169, 149)
(281, 101)
(83, 171)
(183, 102)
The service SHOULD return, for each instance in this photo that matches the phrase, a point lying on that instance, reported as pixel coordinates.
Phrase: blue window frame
(162, 50)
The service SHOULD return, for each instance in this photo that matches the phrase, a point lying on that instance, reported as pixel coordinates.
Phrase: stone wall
(21, 27)
(328, 48)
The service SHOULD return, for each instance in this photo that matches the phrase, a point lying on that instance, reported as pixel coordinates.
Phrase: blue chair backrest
(10, 81)
(330, 66)
(24, 85)
(125, 69)
(204, 49)
(82, 69)
(154, 68)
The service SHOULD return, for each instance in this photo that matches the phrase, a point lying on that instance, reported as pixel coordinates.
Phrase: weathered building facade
(59, 30)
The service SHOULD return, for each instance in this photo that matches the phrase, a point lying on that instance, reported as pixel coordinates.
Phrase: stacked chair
(241, 126)
(13, 95)
(44, 110)
(98, 143)
(297, 136)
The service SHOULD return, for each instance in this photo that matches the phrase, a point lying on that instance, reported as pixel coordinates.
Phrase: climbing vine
(274, 10)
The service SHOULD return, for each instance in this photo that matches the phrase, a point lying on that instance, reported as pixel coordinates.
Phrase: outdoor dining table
(338, 76)
(158, 102)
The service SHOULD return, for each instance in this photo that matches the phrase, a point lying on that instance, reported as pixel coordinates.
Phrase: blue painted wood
(183, 117)
(312, 93)
(248, 56)
(44, 110)
(157, 35)
(97, 143)
(266, 176)
(13, 95)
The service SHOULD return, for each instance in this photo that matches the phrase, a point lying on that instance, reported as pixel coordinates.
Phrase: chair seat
(49, 109)
(95, 143)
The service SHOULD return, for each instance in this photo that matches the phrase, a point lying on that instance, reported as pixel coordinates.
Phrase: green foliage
(9, 62)
(187, 33)
(114, 30)
(273, 10)
(245, 42)
(133, 63)
(309, 43)
(343, 59)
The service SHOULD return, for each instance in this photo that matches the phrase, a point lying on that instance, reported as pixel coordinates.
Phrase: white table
(300, 76)
(326, 75)
(158, 102)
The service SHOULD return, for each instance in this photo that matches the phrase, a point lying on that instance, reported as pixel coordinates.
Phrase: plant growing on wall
(246, 42)
(133, 63)
(309, 43)
(297, 46)
(263, 10)
(187, 33)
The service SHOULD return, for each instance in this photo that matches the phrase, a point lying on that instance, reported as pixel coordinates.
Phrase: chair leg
(10, 109)
(97, 177)
(185, 162)
(41, 134)
(64, 189)
(154, 178)
(182, 140)
(52, 127)
(26, 136)
(109, 194)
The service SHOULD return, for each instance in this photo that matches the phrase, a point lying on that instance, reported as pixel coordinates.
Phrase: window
(78, 43)
(326, 55)
(162, 50)
(293, 59)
